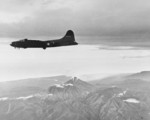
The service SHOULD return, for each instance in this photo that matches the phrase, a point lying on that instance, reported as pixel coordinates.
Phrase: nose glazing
(12, 44)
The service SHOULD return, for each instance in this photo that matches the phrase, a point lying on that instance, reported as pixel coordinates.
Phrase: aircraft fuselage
(68, 39)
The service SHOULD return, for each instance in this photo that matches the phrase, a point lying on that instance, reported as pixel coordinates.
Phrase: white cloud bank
(77, 61)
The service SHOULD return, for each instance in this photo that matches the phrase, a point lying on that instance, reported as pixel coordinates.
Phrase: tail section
(69, 36)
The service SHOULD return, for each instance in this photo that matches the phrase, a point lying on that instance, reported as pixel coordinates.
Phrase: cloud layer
(107, 18)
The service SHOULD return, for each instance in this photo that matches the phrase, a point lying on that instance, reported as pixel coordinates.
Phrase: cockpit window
(23, 40)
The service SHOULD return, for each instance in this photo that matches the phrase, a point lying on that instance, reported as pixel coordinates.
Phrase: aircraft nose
(12, 44)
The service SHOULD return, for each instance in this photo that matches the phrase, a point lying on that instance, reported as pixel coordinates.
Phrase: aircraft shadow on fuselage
(67, 40)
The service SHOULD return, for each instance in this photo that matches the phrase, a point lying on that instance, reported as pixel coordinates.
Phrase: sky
(125, 21)
(113, 37)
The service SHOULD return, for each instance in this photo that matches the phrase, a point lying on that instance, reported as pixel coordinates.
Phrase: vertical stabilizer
(69, 36)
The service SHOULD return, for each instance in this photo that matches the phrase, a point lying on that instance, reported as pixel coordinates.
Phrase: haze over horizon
(77, 61)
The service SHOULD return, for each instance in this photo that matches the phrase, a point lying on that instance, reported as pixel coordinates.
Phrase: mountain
(135, 81)
(110, 79)
(45, 108)
(75, 99)
(144, 75)
(84, 86)
(107, 104)
(135, 85)
(72, 88)
(118, 104)
(29, 86)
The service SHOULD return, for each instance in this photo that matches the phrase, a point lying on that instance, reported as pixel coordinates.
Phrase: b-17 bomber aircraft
(68, 39)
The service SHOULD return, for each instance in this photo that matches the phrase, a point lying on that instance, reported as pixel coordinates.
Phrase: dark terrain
(124, 97)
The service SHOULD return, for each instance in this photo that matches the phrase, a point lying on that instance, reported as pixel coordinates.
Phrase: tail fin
(69, 35)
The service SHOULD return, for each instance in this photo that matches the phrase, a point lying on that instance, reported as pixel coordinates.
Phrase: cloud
(140, 54)
(38, 25)
(127, 21)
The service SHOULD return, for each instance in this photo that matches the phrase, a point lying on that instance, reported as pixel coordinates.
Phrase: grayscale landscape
(74, 59)
(70, 98)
